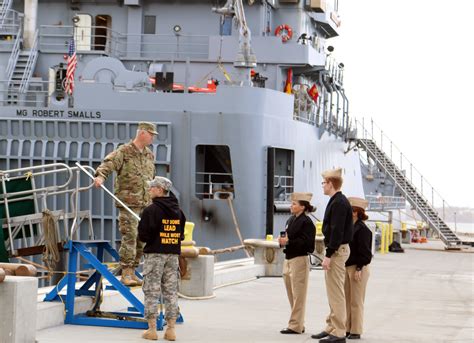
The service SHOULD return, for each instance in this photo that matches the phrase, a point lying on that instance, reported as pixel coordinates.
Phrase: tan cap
(162, 182)
(301, 196)
(335, 173)
(358, 202)
(150, 127)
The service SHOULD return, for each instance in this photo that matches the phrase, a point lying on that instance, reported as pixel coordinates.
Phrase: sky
(409, 65)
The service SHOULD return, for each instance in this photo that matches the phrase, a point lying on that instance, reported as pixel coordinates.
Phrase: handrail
(13, 58)
(285, 183)
(210, 183)
(6, 5)
(6, 176)
(11, 21)
(385, 202)
(25, 80)
(415, 177)
(109, 192)
(174, 46)
(32, 172)
(420, 202)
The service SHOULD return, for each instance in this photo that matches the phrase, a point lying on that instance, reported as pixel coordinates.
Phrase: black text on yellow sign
(170, 236)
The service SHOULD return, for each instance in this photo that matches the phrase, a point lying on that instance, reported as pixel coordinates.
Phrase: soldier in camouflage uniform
(162, 229)
(134, 164)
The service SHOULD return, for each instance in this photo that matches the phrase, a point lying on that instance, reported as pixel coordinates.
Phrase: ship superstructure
(249, 103)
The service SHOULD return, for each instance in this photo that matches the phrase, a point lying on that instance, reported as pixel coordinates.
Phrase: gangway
(415, 196)
(22, 204)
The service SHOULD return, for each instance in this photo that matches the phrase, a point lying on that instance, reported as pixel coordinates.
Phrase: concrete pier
(18, 309)
(423, 295)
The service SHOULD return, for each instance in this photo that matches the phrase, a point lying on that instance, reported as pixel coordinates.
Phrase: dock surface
(423, 295)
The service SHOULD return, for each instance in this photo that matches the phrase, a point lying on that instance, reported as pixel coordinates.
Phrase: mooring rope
(51, 252)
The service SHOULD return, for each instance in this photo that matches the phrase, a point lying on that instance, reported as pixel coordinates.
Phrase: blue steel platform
(133, 319)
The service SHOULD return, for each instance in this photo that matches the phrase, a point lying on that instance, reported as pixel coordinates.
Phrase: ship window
(214, 179)
(149, 25)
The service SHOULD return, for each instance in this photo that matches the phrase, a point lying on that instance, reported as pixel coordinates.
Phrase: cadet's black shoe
(347, 334)
(320, 335)
(333, 339)
(289, 331)
(353, 336)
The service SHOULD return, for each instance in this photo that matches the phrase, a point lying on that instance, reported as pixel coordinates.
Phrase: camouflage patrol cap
(160, 181)
(147, 126)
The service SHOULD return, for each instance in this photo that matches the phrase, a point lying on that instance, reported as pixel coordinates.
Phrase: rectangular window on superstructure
(149, 25)
(214, 179)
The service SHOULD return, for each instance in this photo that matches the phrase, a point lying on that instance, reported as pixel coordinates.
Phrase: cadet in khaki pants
(298, 241)
(357, 269)
(337, 230)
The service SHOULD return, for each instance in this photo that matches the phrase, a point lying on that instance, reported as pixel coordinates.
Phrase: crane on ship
(245, 59)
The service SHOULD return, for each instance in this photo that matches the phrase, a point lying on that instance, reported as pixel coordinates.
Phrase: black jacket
(361, 246)
(162, 226)
(301, 233)
(337, 223)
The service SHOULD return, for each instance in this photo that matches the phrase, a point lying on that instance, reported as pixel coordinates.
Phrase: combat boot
(136, 278)
(170, 334)
(127, 277)
(151, 333)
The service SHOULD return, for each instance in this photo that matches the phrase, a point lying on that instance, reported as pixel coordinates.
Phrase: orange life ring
(285, 32)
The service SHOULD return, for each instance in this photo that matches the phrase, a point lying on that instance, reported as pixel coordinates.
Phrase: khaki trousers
(295, 276)
(335, 277)
(355, 295)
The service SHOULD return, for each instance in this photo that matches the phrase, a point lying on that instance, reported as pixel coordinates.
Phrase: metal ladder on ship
(416, 199)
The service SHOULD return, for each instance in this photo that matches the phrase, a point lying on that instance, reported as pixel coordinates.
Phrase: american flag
(71, 68)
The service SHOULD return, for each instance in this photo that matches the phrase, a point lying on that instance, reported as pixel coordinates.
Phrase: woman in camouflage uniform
(162, 229)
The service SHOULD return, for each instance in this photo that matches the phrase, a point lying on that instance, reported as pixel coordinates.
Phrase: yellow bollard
(188, 231)
(391, 233)
(319, 229)
(382, 239)
(387, 240)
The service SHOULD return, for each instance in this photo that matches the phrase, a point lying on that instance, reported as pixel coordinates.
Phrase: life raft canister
(285, 32)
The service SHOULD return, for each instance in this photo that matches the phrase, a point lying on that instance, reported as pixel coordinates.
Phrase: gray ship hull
(247, 120)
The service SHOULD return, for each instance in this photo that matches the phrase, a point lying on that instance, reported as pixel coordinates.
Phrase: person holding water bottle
(297, 240)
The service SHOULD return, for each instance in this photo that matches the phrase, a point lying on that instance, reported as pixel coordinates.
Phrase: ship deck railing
(380, 203)
(10, 24)
(283, 187)
(56, 38)
(37, 94)
(211, 185)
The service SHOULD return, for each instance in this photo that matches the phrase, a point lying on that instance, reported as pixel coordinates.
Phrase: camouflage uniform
(161, 275)
(134, 168)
